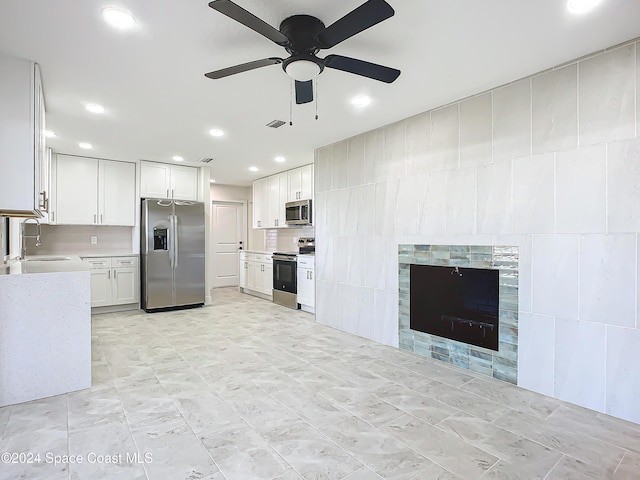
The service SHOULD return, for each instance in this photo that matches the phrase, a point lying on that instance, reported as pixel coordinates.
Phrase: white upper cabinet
(162, 180)
(277, 186)
(24, 178)
(260, 202)
(117, 193)
(301, 183)
(155, 180)
(89, 191)
(76, 191)
(270, 194)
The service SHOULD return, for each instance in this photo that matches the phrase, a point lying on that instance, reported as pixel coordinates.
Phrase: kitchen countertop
(35, 264)
(259, 252)
(100, 255)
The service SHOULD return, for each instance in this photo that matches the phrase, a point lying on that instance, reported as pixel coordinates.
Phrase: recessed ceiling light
(178, 158)
(119, 19)
(216, 132)
(86, 146)
(360, 101)
(253, 169)
(49, 134)
(582, 6)
(280, 159)
(94, 108)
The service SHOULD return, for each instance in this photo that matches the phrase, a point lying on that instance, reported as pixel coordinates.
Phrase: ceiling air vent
(275, 123)
(206, 160)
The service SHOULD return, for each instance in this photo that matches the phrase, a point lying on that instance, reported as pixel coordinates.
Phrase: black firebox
(456, 303)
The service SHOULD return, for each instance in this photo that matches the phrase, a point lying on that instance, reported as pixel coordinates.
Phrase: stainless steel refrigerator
(172, 254)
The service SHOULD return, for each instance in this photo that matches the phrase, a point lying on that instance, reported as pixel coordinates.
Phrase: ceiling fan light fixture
(302, 70)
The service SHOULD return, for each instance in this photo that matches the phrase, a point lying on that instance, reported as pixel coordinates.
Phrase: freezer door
(157, 255)
(189, 263)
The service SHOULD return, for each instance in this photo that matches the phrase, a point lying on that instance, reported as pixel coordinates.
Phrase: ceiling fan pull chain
(316, 96)
(291, 103)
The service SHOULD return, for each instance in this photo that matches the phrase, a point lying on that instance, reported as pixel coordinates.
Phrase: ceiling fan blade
(225, 72)
(360, 67)
(239, 14)
(304, 92)
(365, 16)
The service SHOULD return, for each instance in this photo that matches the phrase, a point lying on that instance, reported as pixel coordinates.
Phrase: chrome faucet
(24, 236)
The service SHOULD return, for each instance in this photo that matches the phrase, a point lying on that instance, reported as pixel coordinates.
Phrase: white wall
(550, 163)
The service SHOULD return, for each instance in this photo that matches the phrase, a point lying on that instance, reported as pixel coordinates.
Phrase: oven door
(284, 275)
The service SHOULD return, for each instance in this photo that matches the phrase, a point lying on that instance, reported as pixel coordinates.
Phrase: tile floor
(245, 389)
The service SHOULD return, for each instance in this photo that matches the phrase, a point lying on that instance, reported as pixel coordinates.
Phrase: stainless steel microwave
(298, 213)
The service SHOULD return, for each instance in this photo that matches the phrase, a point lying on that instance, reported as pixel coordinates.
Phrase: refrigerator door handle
(175, 241)
(170, 245)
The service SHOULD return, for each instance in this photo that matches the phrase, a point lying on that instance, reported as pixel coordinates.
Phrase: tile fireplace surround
(501, 364)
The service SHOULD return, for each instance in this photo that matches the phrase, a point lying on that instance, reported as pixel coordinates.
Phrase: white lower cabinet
(114, 281)
(256, 273)
(306, 281)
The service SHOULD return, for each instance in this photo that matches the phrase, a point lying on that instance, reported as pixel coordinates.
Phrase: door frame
(236, 203)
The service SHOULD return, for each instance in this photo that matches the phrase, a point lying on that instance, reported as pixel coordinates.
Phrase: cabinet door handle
(115, 274)
(53, 216)
(109, 274)
(100, 218)
(95, 218)
(44, 201)
(168, 193)
(173, 193)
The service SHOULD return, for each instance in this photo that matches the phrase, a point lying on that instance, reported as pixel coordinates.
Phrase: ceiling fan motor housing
(301, 30)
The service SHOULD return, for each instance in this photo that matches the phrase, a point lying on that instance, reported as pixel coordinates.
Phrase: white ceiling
(159, 104)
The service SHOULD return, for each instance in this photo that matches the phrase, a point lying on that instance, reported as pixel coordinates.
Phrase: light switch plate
(94, 239)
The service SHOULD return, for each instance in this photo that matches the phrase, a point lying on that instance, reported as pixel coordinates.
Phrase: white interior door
(227, 232)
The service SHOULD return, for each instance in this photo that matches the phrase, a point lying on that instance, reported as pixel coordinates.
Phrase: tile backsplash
(76, 239)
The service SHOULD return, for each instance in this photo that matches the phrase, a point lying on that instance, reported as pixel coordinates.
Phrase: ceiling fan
(303, 36)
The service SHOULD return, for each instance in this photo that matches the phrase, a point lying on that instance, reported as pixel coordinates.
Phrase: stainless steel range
(285, 286)
(285, 264)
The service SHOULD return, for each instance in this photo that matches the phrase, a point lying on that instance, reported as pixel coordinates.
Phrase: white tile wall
(579, 373)
(623, 373)
(512, 121)
(623, 178)
(476, 131)
(460, 201)
(555, 110)
(607, 105)
(418, 136)
(536, 341)
(608, 273)
(355, 163)
(559, 178)
(432, 198)
(445, 138)
(495, 209)
(533, 194)
(581, 177)
(555, 275)
(340, 157)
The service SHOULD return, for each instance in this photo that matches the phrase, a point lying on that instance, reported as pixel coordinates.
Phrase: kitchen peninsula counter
(45, 328)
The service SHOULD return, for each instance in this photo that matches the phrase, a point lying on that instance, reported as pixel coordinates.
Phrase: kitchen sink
(46, 259)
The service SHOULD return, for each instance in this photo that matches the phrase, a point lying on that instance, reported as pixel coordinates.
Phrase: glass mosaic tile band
(502, 364)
